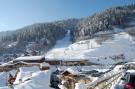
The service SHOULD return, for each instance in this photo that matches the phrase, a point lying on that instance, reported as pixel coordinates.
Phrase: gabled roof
(7, 64)
(131, 72)
(44, 64)
(73, 71)
(29, 58)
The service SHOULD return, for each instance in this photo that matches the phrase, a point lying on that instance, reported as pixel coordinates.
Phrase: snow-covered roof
(22, 62)
(67, 59)
(72, 71)
(119, 67)
(29, 58)
(44, 64)
(131, 71)
(8, 63)
(130, 63)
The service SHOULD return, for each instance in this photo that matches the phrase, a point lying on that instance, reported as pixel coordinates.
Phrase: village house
(6, 66)
(71, 76)
(44, 66)
(74, 62)
(67, 62)
(30, 59)
(23, 65)
(27, 61)
(25, 69)
(53, 61)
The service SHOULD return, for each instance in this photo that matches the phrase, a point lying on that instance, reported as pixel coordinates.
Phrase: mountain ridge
(45, 35)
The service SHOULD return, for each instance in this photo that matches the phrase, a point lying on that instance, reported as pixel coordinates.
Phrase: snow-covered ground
(120, 44)
(31, 78)
(3, 77)
(39, 80)
(60, 47)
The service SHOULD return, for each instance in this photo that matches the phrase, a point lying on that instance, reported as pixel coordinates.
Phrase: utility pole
(6, 79)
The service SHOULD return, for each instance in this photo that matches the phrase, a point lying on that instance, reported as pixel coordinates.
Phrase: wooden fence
(105, 82)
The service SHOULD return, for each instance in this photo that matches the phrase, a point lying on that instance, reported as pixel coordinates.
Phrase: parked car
(128, 80)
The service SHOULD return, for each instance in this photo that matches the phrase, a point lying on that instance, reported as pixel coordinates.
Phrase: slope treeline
(45, 34)
(103, 21)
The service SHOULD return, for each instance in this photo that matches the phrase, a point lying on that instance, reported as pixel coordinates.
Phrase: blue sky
(15, 14)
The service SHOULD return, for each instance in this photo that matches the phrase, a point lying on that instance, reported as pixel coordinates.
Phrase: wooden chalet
(67, 62)
(44, 66)
(25, 64)
(30, 59)
(70, 82)
(70, 72)
(6, 67)
(53, 62)
(74, 62)
(71, 77)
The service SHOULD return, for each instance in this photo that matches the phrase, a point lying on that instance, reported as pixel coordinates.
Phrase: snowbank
(39, 80)
(25, 73)
(72, 70)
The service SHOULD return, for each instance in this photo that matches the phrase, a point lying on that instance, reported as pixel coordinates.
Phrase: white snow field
(37, 79)
(121, 43)
(102, 53)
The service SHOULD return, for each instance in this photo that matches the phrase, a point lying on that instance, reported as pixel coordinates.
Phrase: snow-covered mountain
(43, 36)
(107, 48)
(105, 38)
